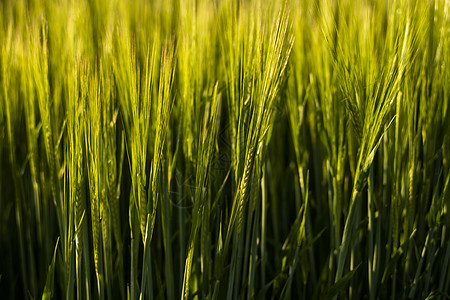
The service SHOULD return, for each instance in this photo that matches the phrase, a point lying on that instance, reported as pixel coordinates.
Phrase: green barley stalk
(94, 151)
(200, 213)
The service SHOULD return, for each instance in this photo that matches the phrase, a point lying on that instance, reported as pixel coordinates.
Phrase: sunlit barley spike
(188, 268)
(411, 206)
(356, 119)
(106, 224)
(95, 229)
(245, 185)
(79, 203)
(143, 211)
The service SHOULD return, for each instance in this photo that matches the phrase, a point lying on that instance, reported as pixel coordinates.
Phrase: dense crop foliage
(224, 149)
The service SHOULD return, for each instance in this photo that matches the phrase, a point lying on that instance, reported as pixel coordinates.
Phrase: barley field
(224, 149)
